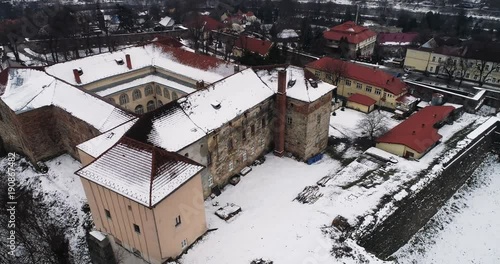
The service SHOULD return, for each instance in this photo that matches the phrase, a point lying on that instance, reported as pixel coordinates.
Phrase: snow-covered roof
(221, 102)
(98, 235)
(98, 145)
(301, 90)
(145, 80)
(29, 89)
(178, 61)
(167, 22)
(140, 172)
(288, 33)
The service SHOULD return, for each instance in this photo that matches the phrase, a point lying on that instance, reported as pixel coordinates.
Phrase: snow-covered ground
(62, 188)
(466, 229)
(343, 124)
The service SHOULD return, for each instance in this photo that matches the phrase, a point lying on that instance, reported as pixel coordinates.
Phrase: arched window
(111, 100)
(174, 96)
(139, 109)
(151, 106)
(166, 93)
(136, 94)
(148, 90)
(124, 99)
(158, 90)
(160, 103)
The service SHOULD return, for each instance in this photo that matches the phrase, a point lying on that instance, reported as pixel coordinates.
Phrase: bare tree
(484, 68)
(373, 124)
(449, 68)
(335, 71)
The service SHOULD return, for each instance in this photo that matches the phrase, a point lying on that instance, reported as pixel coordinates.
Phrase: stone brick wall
(417, 209)
(307, 126)
(236, 144)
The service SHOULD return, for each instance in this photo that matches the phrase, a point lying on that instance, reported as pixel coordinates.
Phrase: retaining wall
(417, 209)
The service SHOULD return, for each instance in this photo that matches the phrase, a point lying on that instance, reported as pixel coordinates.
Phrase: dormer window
(216, 105)
(313, 83)
(119, 61)
(291, 83)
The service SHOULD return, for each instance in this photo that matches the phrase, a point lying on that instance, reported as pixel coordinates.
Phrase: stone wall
(416, 210)
(10, 138)
(240, 142)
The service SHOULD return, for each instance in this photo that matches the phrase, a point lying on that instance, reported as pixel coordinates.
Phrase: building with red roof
(395, 44)
(359, 39)
(354, 78)
(253, 45)
(416, 135)
(361, 103)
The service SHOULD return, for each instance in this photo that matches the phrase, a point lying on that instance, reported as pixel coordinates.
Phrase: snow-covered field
(466, 229)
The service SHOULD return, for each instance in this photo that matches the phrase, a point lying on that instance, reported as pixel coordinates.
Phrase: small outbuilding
(361, 103)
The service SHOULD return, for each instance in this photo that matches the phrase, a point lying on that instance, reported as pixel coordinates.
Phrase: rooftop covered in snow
(176, 60)
(29, 89)
(140, 172)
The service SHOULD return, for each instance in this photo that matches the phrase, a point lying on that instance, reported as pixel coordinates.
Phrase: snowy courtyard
(344, 123)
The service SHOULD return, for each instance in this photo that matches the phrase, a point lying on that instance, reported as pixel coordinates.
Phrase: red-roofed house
(358, 37)
(355, 78)
(253, 45)
(361, 103)
(416, 135)
(204, 24)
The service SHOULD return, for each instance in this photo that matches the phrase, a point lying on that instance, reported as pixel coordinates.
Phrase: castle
(158, 128)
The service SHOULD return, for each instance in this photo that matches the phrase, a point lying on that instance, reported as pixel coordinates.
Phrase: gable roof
(140, 172)
(359, 72)
(418, 132)
(179, 61)
(354, 33)
(393, 39)
(361, 99)
(29, 89)
(253, 45)
(301, 89)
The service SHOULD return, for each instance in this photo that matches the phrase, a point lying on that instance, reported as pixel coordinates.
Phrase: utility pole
(357, 13)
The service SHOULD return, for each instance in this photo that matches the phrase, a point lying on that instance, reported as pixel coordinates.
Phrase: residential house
(360, 40)
(354, 78)
(253, 45)
(418, 134)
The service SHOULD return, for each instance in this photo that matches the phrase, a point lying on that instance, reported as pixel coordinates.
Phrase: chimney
(423, 125)
(279, 137)
(413, 133)
(129, 62)
(77, 76)
(236, 68)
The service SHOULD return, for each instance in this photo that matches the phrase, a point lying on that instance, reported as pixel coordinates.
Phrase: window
(289, 120)
(210, 181)
(184, 243)
(160, 103)
(434, 59)
(150, 106)
(359, 85)
(348, 82)
(124, 99)
(494, 80)
(174, 96)
(368, 89)
(166, 93)
(378, 91)
(467, 75)
(431, 69)
(230, 144)
(263, 122)
(111, 99)
(158, 90)
(148, 90)
(178, 220)
(318, 119)
(186, 155)
(129, 208)
(317, 74)
(439, 59)
(487, 67)
(252, 129)
(209, 158)
(136, 252)
(137, 229)
(139, 110)
(108, 214)
(243, 134)
(475, 77)
(136, 94)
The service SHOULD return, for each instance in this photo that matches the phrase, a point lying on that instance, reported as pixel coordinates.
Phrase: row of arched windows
(150, 106)
(136, 95)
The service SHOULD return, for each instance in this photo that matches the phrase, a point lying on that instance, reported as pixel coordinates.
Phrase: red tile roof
(354, 33)
(358, 72)
(253, 45)
(169, 41)
(384, 38)
(206, 22)
(192, 59)
(418, 132)
(361, 99)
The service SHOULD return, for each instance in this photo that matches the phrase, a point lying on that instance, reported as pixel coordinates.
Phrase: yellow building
(149, 200)
(352, 78)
